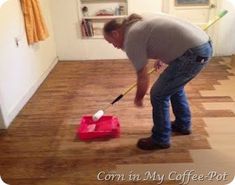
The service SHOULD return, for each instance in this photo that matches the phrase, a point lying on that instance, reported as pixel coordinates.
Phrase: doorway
(198, 12)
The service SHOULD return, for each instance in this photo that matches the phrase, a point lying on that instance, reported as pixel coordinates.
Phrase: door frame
(166, 7)
(213, 31)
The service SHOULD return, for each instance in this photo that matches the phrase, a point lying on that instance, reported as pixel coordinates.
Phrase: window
(192, 2)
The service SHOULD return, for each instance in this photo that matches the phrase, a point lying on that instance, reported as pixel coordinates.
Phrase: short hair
(115, 24)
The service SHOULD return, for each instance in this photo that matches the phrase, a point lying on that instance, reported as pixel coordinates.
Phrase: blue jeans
(170, 87)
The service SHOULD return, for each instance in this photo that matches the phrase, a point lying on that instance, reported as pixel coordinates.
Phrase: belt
(201, 59)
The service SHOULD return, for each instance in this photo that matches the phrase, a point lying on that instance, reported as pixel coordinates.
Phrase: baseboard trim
(2, 125)
(15, 111)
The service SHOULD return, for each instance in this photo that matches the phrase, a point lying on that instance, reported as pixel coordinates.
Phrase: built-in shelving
(95, 13)
(104, 17)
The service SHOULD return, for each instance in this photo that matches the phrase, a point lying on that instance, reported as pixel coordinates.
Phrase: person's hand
(158, 64)
(138, 102)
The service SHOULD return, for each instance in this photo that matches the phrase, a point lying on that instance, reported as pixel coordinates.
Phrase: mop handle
(218, 17)
(134, 84)
(129, 89)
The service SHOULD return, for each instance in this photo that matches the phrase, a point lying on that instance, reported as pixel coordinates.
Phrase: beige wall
(70, 46)
(22, 68)
(225, 37)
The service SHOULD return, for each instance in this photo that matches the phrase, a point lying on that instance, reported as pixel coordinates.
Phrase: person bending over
(183, 46)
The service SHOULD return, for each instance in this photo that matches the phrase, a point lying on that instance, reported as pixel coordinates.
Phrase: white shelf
(105, 17)
(94, 37)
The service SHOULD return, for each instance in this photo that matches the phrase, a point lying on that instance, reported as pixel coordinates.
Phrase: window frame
(183, 4)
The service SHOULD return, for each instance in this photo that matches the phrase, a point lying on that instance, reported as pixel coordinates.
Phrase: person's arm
(142, 86)
(136, 50)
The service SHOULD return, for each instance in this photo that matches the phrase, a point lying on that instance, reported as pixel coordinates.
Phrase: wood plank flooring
(40, 147)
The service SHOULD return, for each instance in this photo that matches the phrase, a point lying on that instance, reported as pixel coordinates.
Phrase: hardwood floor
(41, 147)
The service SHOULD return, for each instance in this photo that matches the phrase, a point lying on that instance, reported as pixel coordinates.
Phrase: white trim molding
(2, 125)
(8, 118)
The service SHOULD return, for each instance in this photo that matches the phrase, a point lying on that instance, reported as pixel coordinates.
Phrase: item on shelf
(121, 10)
(85, 11)
(105, 12)
(117, 10)
(87, 28)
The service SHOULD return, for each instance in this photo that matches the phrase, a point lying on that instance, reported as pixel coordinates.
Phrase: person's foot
(178, 130)
(149, 144)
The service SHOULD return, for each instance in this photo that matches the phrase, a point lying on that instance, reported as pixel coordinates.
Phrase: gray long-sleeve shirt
(161, 37)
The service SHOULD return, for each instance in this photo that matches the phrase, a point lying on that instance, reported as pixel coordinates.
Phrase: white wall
(69, 44)
(22, 68)
(147, 6)
(226, 29)
(2, 2)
